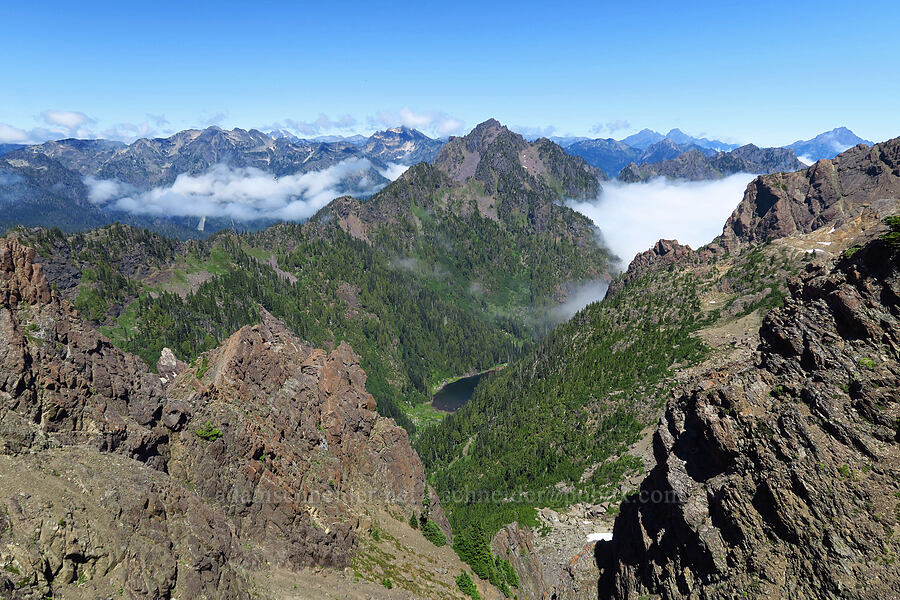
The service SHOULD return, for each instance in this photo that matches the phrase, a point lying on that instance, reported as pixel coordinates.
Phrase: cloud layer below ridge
(243, 193)
(633, 216)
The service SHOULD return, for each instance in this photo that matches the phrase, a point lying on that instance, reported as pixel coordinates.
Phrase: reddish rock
(267, 452)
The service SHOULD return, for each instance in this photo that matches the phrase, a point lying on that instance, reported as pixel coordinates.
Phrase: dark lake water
(454, 395)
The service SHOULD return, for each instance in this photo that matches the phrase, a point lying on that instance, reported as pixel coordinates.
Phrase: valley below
(279, 412)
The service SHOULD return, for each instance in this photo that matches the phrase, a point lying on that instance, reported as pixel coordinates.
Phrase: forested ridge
(327, 288)
(554, 427)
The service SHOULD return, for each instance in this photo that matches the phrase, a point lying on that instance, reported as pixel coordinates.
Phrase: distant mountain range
(612, 155)
(694, 165)
(49, 184)
(6, 148)
(57, 183)
(648, 147)
(403, 145)
(827, 145)
(646, 137)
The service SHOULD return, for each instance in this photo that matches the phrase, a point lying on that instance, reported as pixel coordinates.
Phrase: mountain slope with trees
(557, 427)
(424, 284)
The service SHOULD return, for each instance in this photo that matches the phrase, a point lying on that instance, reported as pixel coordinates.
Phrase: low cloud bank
(393, 171)
(580, 296)
(244, 193)
(633, 216)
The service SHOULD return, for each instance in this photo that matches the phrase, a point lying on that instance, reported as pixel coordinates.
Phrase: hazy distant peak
(643, 138)
(827, 144)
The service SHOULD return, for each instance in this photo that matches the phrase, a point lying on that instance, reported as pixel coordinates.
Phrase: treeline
(472, 544)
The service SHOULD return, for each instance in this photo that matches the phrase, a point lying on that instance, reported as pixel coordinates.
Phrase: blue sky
(766, 72)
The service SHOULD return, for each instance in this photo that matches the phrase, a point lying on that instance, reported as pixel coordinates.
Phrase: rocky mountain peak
(484, 135)
(830, 191)
(662, 254)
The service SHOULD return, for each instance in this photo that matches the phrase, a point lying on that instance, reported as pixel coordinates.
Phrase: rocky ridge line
(764, 476)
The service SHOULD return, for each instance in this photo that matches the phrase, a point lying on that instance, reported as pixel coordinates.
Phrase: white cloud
(67, 119)
(59, 124)
(101, 191)
(7, 178)
(242, 193)
(838, 147)
(159, 120)
(436, 122)
(323, 124)
(393, 171)
(533, 133)
(806, 160)
(633, 216)
(12, 135)
(611, 126)
(579, 296)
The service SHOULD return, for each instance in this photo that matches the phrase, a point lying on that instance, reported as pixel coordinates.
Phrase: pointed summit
(828, 144)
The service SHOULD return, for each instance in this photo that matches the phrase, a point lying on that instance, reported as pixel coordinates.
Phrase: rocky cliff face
(264, 453)
(780, 480)
(830, 191)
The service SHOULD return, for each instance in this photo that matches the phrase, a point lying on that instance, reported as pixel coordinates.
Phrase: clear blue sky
(767, 72)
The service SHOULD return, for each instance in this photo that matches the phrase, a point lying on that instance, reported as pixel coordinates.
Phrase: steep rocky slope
(265, 454)
(830, 191)
(780, 479)
(583, 404)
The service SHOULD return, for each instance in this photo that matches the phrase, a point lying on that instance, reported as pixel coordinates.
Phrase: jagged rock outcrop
(264, 452)
(517, 546)
(780, 480)
(830, 191)
(169, 366)
(299, 449)
(661, 255)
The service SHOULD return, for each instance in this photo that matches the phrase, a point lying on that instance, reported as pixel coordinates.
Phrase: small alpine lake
(454, 395)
